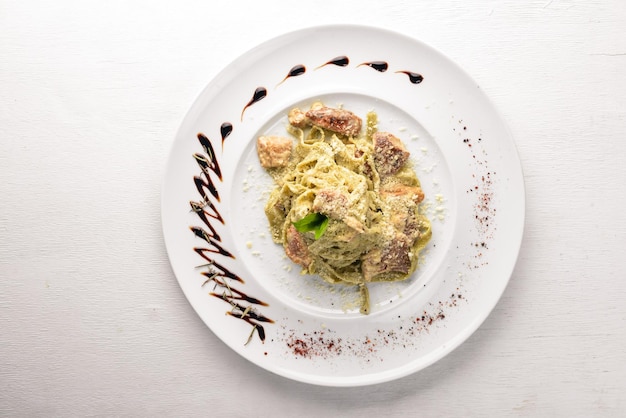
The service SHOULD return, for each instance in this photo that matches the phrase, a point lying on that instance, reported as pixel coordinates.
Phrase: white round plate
(242, 285)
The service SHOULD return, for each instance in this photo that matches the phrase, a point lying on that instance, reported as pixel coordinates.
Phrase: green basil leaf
(320, 230)
(315, 222)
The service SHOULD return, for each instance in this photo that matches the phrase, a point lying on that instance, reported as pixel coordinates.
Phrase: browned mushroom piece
(391, 258)
(340, 121)
(389, 153)
(297, 118)
(273, 151)
(331, 203)
(296, 248)
(404, 201)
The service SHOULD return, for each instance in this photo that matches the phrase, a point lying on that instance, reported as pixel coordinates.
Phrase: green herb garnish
(315, 222)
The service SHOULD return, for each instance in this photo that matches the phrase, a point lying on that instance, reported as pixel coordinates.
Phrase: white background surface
(92, 321)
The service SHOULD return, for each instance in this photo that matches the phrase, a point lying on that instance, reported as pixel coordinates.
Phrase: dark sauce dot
(295, 71)
(414, 78)
(341, 61)
(226, 129)
(380, 66)
(259, 94)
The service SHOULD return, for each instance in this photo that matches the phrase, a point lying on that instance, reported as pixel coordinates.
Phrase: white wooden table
(92, 320)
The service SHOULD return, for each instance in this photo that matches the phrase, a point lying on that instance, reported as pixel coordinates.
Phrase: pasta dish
(346, 200)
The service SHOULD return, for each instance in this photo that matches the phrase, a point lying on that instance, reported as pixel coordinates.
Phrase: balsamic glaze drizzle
(204, 182)
(237, 295)
(216, 269)
(380, 66)
(208, 149)
(208, 213)
(217, 248)
(414, 78)
(295, 71)
(200, 209)
(259, 94)
(341, 61)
